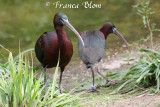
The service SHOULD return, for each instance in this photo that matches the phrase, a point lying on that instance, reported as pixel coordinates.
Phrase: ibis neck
(61, 33)
(105, 32)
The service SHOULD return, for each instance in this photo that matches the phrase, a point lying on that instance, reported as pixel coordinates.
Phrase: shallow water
(25, 21)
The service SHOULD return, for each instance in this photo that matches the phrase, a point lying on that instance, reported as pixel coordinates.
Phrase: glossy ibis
(49, 43)
(95, 47)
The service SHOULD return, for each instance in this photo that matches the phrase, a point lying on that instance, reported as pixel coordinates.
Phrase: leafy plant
(19, 87)
(158, 105)
(144, 10)
(145, 72)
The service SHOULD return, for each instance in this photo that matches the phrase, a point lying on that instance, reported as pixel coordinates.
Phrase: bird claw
(112, 81)
(61, 91)
(93, 87)
(91, 91)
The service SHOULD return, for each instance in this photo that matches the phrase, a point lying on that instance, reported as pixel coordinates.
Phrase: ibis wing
(95, 47)
(40, 44)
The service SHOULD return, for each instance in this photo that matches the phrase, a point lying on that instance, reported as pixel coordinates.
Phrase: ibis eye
(113, 29)
(62, 21)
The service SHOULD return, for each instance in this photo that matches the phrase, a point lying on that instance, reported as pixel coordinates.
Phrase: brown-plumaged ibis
(50, 43)
(95, 47)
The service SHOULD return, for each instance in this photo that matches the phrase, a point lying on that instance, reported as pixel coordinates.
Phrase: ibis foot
(107, 79)
(91, 91)
(112, 81)
(61, 91)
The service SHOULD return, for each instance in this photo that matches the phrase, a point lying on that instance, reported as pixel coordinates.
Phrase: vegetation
(19, 86)
(145, 72)
(144, 10)
(100, 99)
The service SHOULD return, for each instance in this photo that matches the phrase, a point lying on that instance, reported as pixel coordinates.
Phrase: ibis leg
(60, 80)
(45, 81)
(93, 87)
(107, 79)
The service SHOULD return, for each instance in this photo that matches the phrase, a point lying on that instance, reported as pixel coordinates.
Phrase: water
(25, 21)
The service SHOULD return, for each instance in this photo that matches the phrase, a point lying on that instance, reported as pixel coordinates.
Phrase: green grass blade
(54, 78)
(149, 50)
(126, 82)
(142, 76)
(15, 98)
(34, 95)
(28, 50)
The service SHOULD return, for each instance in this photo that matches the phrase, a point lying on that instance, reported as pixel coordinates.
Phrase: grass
(102, 98)
(144, 73)
(19, 86)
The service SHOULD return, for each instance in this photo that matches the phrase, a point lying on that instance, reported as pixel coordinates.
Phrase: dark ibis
(95, 47)
(50, 43)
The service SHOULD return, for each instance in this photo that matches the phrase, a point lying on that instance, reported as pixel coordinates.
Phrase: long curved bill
(120, 36)
(66, 22)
